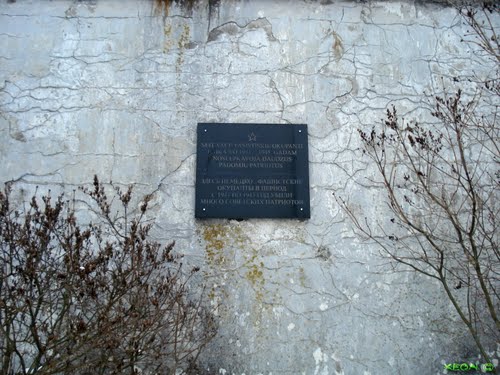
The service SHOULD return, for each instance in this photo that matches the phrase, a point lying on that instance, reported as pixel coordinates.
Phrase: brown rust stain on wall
(160, 7)
(337, 47)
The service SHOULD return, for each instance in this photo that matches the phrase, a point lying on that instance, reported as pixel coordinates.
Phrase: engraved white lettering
(287, 202)
(233, 165)
(266, 165)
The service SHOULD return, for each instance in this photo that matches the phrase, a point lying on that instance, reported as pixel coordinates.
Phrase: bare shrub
(101, 298)
(441, 181)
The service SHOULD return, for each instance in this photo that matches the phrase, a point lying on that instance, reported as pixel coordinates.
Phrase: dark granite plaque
(252, 170)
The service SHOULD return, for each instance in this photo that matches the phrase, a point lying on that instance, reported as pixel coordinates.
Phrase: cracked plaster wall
(115, 88)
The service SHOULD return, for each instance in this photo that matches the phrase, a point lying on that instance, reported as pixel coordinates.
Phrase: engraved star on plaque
(252, 137)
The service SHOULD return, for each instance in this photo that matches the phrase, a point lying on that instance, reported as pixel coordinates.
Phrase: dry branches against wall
(93, 299)
(442, 184)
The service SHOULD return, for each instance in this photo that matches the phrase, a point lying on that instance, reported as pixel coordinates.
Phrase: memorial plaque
(252, 171)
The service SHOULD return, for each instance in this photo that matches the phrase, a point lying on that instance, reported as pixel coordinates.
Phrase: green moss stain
(215, 237)
(181, 44)
(235, 263)
(167, 37)
(302, 277)
(255, 274)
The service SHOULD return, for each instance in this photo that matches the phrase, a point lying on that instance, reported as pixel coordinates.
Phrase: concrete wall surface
(116, 88)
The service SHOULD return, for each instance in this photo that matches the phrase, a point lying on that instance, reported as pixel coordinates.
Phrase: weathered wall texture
(116, 88)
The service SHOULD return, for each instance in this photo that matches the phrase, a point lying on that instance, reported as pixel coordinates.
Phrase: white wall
(116, 88)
